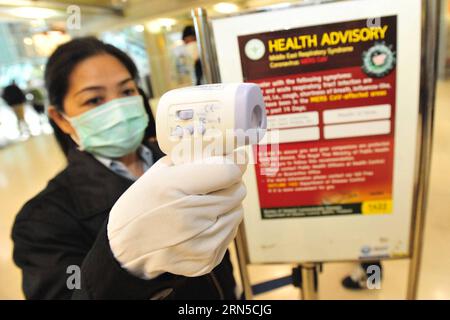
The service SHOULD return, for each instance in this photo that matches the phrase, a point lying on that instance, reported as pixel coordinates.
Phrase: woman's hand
(178, 218)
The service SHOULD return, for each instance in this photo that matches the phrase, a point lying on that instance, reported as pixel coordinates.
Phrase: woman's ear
(60, 121)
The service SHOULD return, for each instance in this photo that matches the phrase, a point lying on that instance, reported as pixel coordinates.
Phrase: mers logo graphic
(379, 60)
(255, 49)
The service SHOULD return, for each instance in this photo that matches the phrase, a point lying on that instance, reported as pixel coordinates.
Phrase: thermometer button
(201, 129)
(189, 129)
(187, 114)
(178, 132)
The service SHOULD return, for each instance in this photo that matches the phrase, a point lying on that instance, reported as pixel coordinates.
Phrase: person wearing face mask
(190, 42)
(66, 143)
(121, 221)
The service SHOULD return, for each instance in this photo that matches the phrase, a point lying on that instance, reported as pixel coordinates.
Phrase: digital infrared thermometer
(217, 118)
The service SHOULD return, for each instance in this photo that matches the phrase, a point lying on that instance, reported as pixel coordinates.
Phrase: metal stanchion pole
(308, 273)
(205, 46)
(430, 34)
(240, 243)
(212, 75)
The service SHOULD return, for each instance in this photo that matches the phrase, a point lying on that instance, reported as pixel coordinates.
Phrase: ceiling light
(225, 7)
(139, 28)
(46, 43)
(32, 12)
(28, 41)
(155, 26)
(281, 5)
(37, 23)
(55, 33)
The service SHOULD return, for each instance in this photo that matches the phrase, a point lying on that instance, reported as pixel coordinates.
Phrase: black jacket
(65, 225)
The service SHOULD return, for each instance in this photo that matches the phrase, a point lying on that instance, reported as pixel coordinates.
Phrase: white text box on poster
(291, 135)
(359, 129)
(343, 115)
(304, 119)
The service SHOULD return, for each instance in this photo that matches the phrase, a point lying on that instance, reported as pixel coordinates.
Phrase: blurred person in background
(134, 227)
(16, 99)
(37, 100)
(357, 279)
(190, 42)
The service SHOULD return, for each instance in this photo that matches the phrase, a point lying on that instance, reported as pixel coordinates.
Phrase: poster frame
(430, 11)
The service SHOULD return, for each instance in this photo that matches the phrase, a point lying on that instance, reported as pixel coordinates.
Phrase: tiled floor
(25, 168)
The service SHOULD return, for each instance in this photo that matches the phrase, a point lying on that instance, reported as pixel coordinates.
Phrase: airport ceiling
(89, 4)
(118, 11)
(9, 10)
(109, 4)
(86, 5)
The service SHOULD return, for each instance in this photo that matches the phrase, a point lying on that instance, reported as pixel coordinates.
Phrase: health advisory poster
(330, 91)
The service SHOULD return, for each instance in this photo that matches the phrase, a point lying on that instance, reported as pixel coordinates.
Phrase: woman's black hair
(67, 56)
(150, 132)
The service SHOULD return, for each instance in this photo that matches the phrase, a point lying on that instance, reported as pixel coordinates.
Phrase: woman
(163, 235)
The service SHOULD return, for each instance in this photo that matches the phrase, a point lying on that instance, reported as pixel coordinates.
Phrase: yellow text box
(377, 207)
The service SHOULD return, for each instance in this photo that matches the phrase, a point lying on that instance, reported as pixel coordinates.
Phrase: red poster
(330, 91)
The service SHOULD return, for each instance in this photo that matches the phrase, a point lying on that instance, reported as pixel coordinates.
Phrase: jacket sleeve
(104, 278)
(48, 250)
(43, 252)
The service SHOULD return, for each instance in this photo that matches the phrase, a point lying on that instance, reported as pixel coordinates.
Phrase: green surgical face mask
(113, 129)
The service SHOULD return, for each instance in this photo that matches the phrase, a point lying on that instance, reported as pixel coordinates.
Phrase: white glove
(178, 218)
